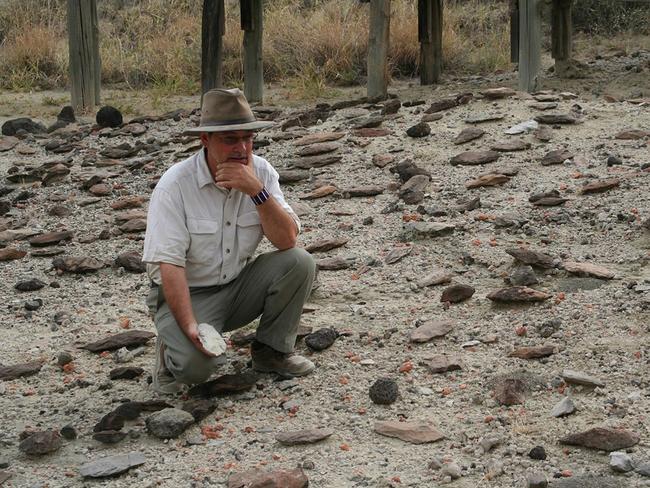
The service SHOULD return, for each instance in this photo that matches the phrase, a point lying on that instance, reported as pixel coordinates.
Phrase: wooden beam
(213, 26)
(83, 47)
(378, 42)
(514, 31)
(253, 66)
(530, 44)
(430, 15)
(561, 35)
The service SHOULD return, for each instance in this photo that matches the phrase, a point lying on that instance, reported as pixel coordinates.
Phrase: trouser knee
(191, 369)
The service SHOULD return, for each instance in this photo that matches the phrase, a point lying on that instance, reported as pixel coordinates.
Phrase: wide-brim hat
(226, 110)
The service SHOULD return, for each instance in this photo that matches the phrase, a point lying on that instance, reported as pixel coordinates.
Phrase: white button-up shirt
(210, 231)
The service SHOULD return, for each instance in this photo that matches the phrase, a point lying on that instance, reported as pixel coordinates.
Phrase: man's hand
(192, 333)
(235, 174)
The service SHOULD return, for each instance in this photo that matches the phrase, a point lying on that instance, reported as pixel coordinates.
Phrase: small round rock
(538, 453)
(384, 391)
(321, 339)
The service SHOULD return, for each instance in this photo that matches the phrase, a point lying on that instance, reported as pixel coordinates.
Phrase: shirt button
(227, 251)
(224, 277)
(228, 223)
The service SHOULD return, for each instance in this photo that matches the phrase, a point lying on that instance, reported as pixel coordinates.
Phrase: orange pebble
(344, 447)
(406, 367)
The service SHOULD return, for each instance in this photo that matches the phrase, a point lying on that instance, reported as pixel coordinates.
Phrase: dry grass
(156, 44)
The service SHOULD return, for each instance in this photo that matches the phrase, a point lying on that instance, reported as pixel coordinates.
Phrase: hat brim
(258, 124)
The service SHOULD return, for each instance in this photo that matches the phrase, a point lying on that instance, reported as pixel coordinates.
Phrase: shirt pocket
(203, 240)
(249, 233)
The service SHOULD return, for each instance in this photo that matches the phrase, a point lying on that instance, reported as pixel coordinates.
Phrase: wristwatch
(261, 197)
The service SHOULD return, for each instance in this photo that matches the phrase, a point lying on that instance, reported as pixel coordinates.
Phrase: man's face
(232, 146)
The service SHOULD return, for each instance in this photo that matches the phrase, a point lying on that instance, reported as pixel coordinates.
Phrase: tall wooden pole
(378, 42)
(514, 31)
(252, 14)
(562, 35)
(430, 37)
(83, 46)
(530, 44)
(212, 30)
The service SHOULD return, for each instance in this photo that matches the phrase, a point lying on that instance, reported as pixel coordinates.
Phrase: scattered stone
(110, 421)
(426, 230)
(543, 133)
(556, 157)
(300, 437)
(431, 117)
(362, 191)
(68, 432)
(29, 285)
(511, 146)
(563, 408)
(131, 338)
(533, 352)
(469, 134)
(457, 293)
(518, 294)
(537, 480)
(533, 258)
(600, 186)
(431, 330)
(588, 269)
(510, 391)
(397, 254)
(281, 478)
(599, 481)
(13, 126)
(537, 453)
(382, 160)
(415, 432)
(321, 339)
(452, 470)
(632, 134)
(384, 391)
(109, 436)
(324, 245)
(8, 373)
(11, 254)
(553, 119)
(126, 373)
(112, 465)
(78, 264)
(481, 118)
(169, 423)
(317, 138)
(498, 93)
(412, 192)
(472, 158)
(437, 277)
(523, 276)
(199, 408)
(620, 462)
(108, 116)
(603, 438)
(319, 192)
(320, 148)
(487, 180)
(643, 469)
(64, 358)
(369, 132)
(50, 239)
(407, 170)
(40, 443)
(421, 129)
(522, 128)
(443, 363)
(131, 261)
(579, 378)
(127, 202)
(226, 384)
(334, 264)
(543, 106)
(7, 143)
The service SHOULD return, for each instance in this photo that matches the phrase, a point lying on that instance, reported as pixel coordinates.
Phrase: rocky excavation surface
(497, 284)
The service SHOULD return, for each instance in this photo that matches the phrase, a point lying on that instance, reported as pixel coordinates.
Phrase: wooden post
(252, 14)
(530, 44)
(213, 26)
(378, 42)
(83, 46)
(561, 35)
(514, 31)
(430, 37)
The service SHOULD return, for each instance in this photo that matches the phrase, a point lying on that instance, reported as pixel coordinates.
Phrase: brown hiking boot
(268, 360)
(163, 381)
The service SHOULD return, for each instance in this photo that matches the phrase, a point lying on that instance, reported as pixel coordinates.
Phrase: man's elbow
(287, 243)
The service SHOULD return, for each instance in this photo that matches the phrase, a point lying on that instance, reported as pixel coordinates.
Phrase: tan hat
(226, 110)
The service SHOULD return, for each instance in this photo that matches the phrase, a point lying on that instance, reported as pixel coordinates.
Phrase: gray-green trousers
(275, 285)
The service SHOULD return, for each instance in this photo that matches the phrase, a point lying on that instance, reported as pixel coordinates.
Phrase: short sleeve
(167, 238)
(272, 185)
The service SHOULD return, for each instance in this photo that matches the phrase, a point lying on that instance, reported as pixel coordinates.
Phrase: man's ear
(205, 137)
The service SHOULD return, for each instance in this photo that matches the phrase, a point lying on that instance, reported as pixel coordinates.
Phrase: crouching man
(206, 218)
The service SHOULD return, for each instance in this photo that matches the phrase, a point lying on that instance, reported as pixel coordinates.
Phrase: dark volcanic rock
(108, 116)
(518, 294)
(384, 391)
(78, 265)
(199, 408)
(126, 373)
(110, 421)
(603, 438)
(109, 436)
(8, 373)
(66, 115)
(111, 466)
(131, 261)
(421, 129)
(117, 341)
(29, 285)
(41, 443)
(533, 258)
(510, 391)
(457, 293)
(321, 339)
(50, 238)
(169, 423)
(538, 453)
(407, 169)
(224, 385)
(10, 127)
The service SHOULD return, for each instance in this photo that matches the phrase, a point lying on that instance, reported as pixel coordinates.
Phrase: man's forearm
(177, 294)
(278, 226)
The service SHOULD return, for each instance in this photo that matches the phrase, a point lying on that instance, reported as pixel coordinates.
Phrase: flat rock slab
(550, 201)
(576, 284)
(534, 258)
(588, 269)
(288, 176)
(320, 148)
(112, 465)
(633, 134)
(78, 264)
(362, 191)
(556, 157)
(498, 93)
(431, 330)
(552, 119)
(603, 438)
(131, 338)
(436, 277)
(415, 432)
(7, 143)
(282, 478)
(543, 106)
(127, 202)
(510, 391)
(473, 158)
(518, 294)
(11, 254)
(334, 264)
(324, 245)
(487, 180)
(397, 254)
(320, 192)
(579, 378)
(600, 186)
(318, 138)
(40, 443)
(443, 363)
(481, 118)
(306, 436)
(226, 384)
(382, 160)
(533, 352)
(510, 146)
(457, 293)
(469, 134)
(8, 373)
(371, 132)
(563, 408)
(522, 128)
(50, 239)
(169, 423)
(426, 230)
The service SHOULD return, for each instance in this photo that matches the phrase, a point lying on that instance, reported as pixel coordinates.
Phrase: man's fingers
(200, 347)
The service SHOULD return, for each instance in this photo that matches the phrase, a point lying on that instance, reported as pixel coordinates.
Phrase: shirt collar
(203, 175)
